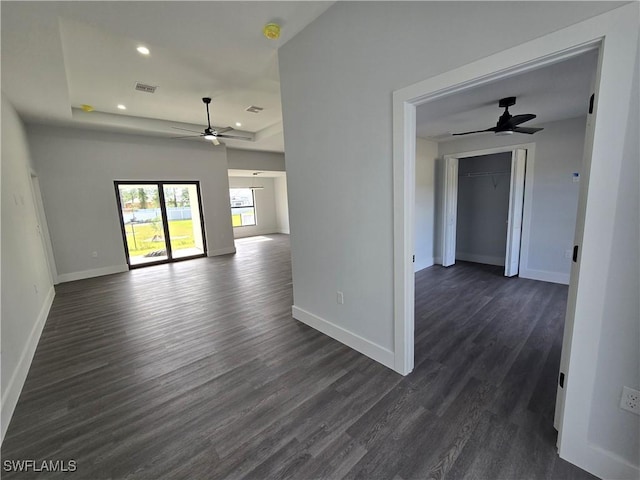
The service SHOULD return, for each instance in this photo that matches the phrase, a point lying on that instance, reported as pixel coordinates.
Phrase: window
(243, 210)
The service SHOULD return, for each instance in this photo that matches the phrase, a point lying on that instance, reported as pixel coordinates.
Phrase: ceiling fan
(507, 123)
(211, 133)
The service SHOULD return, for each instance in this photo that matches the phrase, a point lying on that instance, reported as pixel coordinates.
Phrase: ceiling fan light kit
(507, 123)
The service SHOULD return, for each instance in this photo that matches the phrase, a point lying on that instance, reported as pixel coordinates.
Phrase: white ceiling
(57, 56)
(555, 92)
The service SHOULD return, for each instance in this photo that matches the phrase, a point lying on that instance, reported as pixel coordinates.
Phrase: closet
(483, 208)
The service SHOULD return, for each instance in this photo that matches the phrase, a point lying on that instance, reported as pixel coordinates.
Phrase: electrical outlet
(340, 298)
(630, 400)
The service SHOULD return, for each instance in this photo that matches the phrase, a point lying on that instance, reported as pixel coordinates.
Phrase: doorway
(615, 34)
(161, 221)
(484, 198)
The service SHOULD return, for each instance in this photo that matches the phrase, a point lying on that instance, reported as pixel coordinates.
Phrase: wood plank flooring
(196, 370)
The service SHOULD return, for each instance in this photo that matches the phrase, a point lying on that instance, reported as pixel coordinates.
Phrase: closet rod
(485, 174)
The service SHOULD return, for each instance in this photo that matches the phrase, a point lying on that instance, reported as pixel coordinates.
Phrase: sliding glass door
(161, 221)
(183, 214)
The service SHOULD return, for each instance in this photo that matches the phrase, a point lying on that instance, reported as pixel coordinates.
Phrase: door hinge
(575, 253)
(561, 380)
(413, 259)
(591, 100)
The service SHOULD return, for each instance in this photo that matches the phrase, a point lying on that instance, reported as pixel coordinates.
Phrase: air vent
(142, 87)
(254, 109)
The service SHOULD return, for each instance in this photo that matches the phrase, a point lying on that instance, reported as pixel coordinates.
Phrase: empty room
(320, 240)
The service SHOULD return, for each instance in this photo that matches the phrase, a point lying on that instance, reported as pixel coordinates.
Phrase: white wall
(483, 209)
(77, 169)
(282, 204)
(265, 205)
(337, 78)
(426, 153)
(558, 154)
(254, 160)
(27, 288)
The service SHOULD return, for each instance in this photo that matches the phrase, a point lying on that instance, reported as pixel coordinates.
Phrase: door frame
(449, 203)
(165, 222)
(615, 34)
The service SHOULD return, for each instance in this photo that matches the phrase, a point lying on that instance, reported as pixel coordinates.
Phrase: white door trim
(616, 32)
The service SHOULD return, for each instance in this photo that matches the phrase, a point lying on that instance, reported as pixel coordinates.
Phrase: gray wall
(77, 169)
(483, 209)
(253, 160)
(265, 204)
(558, 154)
(426, 153)
(27, 288)
(282, 204)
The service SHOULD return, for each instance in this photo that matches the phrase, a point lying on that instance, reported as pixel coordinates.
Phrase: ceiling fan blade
(187, 136)
(492, 129)
(187, 130)
(518, 119)
(529, 130)
(234, 136)
(215, 141)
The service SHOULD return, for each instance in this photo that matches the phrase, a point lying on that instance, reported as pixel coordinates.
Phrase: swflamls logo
(39, 466)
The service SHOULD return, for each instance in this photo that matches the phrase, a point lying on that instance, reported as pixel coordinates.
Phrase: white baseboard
(545, 276)
(12, 393)
(221, 251)
(96, 272)
(486, 259)
(601, 463)
(350, 339)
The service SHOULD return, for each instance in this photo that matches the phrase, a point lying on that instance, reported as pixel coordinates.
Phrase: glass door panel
(182, 204)
(142, 223)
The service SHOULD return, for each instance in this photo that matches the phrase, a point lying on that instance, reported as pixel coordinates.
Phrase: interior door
(450, 211)
(516, 205)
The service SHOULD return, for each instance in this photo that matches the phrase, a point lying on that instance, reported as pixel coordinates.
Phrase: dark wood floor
(196, 370)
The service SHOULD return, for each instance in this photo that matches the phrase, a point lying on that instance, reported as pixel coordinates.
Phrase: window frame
(252, 206)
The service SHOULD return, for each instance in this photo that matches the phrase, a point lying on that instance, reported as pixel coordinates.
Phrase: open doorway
(615, 35)
(161, 221)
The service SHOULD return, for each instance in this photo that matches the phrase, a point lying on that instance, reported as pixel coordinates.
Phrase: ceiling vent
(142, 87)
(253, 109)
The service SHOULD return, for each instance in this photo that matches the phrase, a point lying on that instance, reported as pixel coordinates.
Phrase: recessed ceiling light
(143, 50)
(121, 107)
(238, 124)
